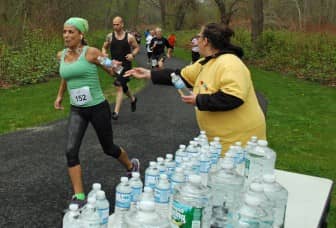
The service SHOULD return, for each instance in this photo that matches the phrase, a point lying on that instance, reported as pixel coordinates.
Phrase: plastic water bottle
(179, 85)
(214, 156)
(89, 216)
(226, 187)
(188, 170)
(71, 218)
(162, 195)
(279, 195)
(146, 216)
(177, 179)
(195, 164)
(249, 214)
(170, 165)
(123, 195)
(147, 195)
(151, 175)
(191, 205)
(205, 164)
(95, 188)
(218, 145)
(136, 186)
(259, 161)
(108, 63)
(103, 208)
(239, 158)
(179, 154)
(192, 150)
(161, 165)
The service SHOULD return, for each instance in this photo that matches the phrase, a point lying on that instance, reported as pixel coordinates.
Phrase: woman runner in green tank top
(78, 70)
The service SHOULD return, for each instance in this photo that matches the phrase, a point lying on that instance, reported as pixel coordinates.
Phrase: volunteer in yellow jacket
(222, 89)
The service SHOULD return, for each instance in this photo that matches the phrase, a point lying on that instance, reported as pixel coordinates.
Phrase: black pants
(100, 118)
(122, 81)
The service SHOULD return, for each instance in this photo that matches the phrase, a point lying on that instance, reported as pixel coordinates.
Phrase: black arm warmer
(218, 101)
(163, 77)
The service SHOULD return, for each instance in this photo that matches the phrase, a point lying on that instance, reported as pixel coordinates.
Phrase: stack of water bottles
(94, 214)
(199, 188)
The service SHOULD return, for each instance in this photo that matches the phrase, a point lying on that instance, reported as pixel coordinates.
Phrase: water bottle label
(136, 192)
(204, 167)
(161, 195)
(247, 167)
(170, 171)
(179, 84)
(186, 216)
(107, 63)
(123, 200)
(151, 180)
(104, 215)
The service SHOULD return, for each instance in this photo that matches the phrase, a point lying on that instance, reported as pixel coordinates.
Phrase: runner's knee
(72, 156)
(113, 151)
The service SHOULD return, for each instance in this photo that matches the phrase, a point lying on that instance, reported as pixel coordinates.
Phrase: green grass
(32, 105)
(301, 120)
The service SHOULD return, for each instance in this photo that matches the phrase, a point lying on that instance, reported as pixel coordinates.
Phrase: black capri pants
(100, 118)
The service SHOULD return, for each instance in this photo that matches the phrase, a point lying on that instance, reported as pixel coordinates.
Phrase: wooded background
(289, 36)
(49, 15)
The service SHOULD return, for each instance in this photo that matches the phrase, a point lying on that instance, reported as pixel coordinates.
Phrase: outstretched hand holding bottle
(186, 95)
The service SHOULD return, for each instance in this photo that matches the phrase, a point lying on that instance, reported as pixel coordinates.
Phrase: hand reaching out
(138, 72)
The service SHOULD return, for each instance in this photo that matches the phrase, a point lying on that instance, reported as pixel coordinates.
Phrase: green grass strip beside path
(33, 105)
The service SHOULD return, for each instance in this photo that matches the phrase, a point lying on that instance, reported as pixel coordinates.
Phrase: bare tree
(227, 9)
(257, 19)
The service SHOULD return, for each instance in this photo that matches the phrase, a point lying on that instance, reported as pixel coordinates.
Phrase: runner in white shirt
(148, 41)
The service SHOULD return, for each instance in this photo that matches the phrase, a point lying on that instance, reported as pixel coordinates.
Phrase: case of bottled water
(191, 205)
(89, 216)
(226, 187)
(71, 218)
(95, 188)
(279, 195)
(146, 216)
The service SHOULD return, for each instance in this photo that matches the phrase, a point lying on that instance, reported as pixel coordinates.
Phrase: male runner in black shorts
(123, 47)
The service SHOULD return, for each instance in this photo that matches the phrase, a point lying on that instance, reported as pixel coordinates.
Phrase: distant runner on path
(78, 70)
(158, 45)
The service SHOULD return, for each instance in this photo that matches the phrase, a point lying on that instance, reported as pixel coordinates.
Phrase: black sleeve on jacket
(163, 77)
(218, 101)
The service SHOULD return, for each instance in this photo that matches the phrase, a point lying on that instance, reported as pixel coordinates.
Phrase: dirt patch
(4, 84)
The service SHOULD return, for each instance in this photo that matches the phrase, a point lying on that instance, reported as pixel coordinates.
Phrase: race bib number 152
(81, 95)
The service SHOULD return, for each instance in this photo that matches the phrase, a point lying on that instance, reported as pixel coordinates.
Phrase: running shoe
(135, 167)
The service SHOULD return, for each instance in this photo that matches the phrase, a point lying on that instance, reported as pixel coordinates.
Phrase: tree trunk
(163, 10)
(257, 20)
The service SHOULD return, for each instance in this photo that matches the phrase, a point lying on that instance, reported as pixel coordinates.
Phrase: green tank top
(82, 81)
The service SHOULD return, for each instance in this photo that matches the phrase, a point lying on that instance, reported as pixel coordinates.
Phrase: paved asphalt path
(34, 183)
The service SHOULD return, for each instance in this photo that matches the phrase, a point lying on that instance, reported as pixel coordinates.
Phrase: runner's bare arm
(134, 47)
(92, 55)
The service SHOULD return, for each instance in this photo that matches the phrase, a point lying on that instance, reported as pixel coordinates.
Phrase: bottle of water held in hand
(106, 62)
(179, 84)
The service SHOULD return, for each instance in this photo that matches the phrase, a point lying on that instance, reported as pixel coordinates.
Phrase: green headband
(79, 23)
